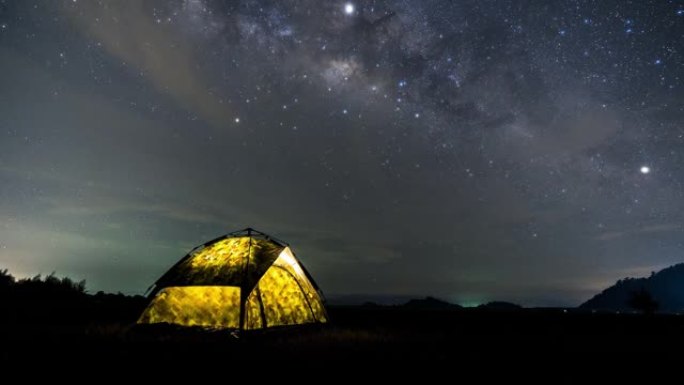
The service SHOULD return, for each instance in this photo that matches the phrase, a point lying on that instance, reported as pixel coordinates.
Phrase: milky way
(471, 150)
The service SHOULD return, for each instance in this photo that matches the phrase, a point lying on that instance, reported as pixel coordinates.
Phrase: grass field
(514, 342)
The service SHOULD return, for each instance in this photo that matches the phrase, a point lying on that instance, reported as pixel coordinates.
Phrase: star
(645, 169)
(349, 8)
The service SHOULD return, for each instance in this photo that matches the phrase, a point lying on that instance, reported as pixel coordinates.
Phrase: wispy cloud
(660, 228)
(154, 50)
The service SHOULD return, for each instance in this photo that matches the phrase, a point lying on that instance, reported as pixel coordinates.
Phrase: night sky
(470, 150)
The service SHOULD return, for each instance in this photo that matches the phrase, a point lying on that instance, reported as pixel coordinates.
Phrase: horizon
(392, 299)
(353, 299)
(468, 151)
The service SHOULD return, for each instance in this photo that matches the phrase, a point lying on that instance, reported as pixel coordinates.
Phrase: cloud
(661, 228)
(128, 31)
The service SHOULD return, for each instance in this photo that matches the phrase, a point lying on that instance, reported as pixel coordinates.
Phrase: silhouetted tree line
(51, 299)
(643, 301)
(50, 286)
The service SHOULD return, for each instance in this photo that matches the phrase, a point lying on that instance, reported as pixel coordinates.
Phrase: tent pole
(243, 294)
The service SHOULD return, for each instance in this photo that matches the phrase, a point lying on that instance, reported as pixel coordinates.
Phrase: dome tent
(243, 280)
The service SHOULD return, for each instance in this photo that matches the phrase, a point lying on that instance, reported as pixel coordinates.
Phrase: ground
(570, 344)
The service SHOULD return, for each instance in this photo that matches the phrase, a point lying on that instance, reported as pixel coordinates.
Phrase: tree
(643, 301)
(6, 279)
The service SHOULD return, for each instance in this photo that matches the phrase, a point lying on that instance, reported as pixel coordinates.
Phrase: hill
(665, 286)
(429, 303)
(500, 306)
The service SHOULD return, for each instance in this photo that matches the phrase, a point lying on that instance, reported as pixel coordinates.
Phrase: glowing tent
(243, 280)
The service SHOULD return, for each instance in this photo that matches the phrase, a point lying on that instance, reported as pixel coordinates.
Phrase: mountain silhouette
(666, 287)
(429, 303)
(499, 306)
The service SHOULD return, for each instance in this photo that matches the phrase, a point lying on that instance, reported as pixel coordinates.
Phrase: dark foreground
(514, 343)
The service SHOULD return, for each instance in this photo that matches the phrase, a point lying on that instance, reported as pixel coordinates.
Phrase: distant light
(349, 8)
(237, 120)
(645, 169)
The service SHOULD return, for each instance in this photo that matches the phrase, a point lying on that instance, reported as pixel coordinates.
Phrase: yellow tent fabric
(244, 280)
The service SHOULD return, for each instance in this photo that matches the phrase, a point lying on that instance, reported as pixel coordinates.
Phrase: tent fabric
(246, 280)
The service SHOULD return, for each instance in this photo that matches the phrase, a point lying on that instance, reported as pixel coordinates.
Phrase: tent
(243, 280)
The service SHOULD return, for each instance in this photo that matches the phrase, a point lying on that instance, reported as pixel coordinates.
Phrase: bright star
(349, 8)
(645, 169)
